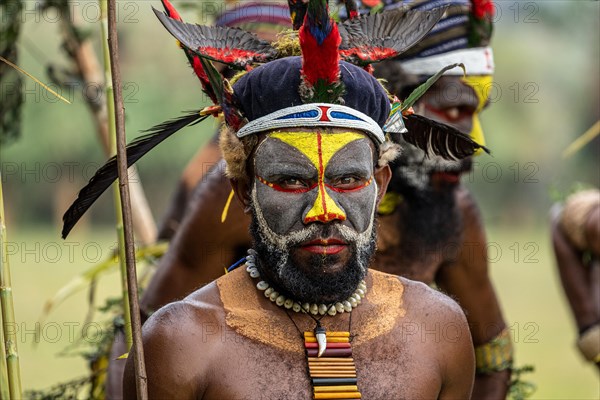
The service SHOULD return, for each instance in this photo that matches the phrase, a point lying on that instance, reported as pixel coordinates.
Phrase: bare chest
(250, 370)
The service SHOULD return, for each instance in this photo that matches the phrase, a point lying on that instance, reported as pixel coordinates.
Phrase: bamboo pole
(112, 134)
(8, 313)
(138, 351)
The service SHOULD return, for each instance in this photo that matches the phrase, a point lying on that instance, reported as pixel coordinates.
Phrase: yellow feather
(226, 208)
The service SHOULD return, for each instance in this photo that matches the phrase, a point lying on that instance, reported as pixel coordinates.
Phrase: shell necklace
(333, 376)
(282, 301)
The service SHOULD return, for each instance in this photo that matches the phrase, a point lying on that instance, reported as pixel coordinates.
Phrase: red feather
(483, 8)
(232, 56)
(320, 62)
(370, 53)
(193, 58)
(171, 11)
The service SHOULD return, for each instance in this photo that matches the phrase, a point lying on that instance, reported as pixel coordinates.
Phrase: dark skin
(458, 268)
(580, 281)
(183, 361)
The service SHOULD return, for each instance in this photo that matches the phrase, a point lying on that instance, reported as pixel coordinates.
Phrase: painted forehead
(318, 146)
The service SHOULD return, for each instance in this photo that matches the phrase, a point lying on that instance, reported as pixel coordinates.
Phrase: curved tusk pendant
(321, 340)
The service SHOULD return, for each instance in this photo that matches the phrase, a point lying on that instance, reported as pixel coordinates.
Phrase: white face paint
(313, 208)
(281, 243)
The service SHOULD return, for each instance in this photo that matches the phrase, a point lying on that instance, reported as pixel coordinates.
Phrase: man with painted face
(431, 228)
(304, 317)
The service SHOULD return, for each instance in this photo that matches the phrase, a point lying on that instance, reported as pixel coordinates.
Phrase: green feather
(420, 91)
(324, 92)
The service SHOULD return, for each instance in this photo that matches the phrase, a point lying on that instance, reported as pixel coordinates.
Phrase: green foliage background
(546, 94)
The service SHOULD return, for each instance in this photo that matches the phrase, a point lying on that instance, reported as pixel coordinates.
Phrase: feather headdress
(322, 84)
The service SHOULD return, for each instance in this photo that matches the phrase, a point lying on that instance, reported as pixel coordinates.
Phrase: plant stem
(4, 385)
(9, 326)
(138, 350)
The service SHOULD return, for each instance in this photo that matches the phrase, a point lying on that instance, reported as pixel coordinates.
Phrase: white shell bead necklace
(282, 301)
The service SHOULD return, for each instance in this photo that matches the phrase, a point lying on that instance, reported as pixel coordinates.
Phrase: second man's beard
(430, 219)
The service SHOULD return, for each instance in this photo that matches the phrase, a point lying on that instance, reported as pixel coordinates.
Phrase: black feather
(231, 46)
(435, 138)
(107, 174)
(396, 30)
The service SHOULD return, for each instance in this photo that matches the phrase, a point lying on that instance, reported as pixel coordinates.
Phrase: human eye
(348, 182)
(293, 183)
(457, 113)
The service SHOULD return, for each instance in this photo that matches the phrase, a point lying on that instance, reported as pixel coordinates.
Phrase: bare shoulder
(201, 306)
(430, 303)
(445, 332)
(177, 350)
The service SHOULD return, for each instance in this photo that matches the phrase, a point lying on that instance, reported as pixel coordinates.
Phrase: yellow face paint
(319, 149)
(482, 85)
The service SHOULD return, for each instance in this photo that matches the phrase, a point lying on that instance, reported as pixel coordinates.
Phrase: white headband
(477, 61)
(315, 114)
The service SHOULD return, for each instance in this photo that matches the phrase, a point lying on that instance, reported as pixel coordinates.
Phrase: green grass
(41, 263)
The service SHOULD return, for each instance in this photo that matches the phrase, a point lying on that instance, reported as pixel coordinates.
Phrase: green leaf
(420, 91)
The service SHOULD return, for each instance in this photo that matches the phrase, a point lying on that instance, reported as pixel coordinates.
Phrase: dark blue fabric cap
(274, 86)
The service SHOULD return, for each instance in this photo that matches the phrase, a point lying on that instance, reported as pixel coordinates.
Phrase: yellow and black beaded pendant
(330, 365)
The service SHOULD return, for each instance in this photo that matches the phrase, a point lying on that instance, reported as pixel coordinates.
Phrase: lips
(450, 177)
(327, 246)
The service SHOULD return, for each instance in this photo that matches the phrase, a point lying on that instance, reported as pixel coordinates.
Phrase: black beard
(313, 286)
(430, 219)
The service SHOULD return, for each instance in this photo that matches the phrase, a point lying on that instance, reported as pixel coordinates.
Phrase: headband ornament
(314, 115)
(325, 46)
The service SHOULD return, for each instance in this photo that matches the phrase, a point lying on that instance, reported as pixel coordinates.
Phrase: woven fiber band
(314, 115)
(477, 61)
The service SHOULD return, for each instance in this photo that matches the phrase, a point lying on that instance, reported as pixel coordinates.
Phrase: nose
(324, 208)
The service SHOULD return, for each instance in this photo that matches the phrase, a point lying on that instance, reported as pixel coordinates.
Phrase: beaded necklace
(329, 354)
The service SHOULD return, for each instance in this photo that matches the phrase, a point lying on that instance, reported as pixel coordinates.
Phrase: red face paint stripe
(326, 218)
(321, 173)
(282, 189)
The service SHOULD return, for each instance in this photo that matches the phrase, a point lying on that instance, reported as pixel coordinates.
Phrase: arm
(202, 240)
(198, 254)
(574, 278)
(458, 362)
(467, 280)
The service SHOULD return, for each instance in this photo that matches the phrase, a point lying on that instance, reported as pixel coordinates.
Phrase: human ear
(382, 177)
(241, 188)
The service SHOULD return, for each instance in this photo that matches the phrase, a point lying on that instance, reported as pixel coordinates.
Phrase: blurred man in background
(576, 241)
